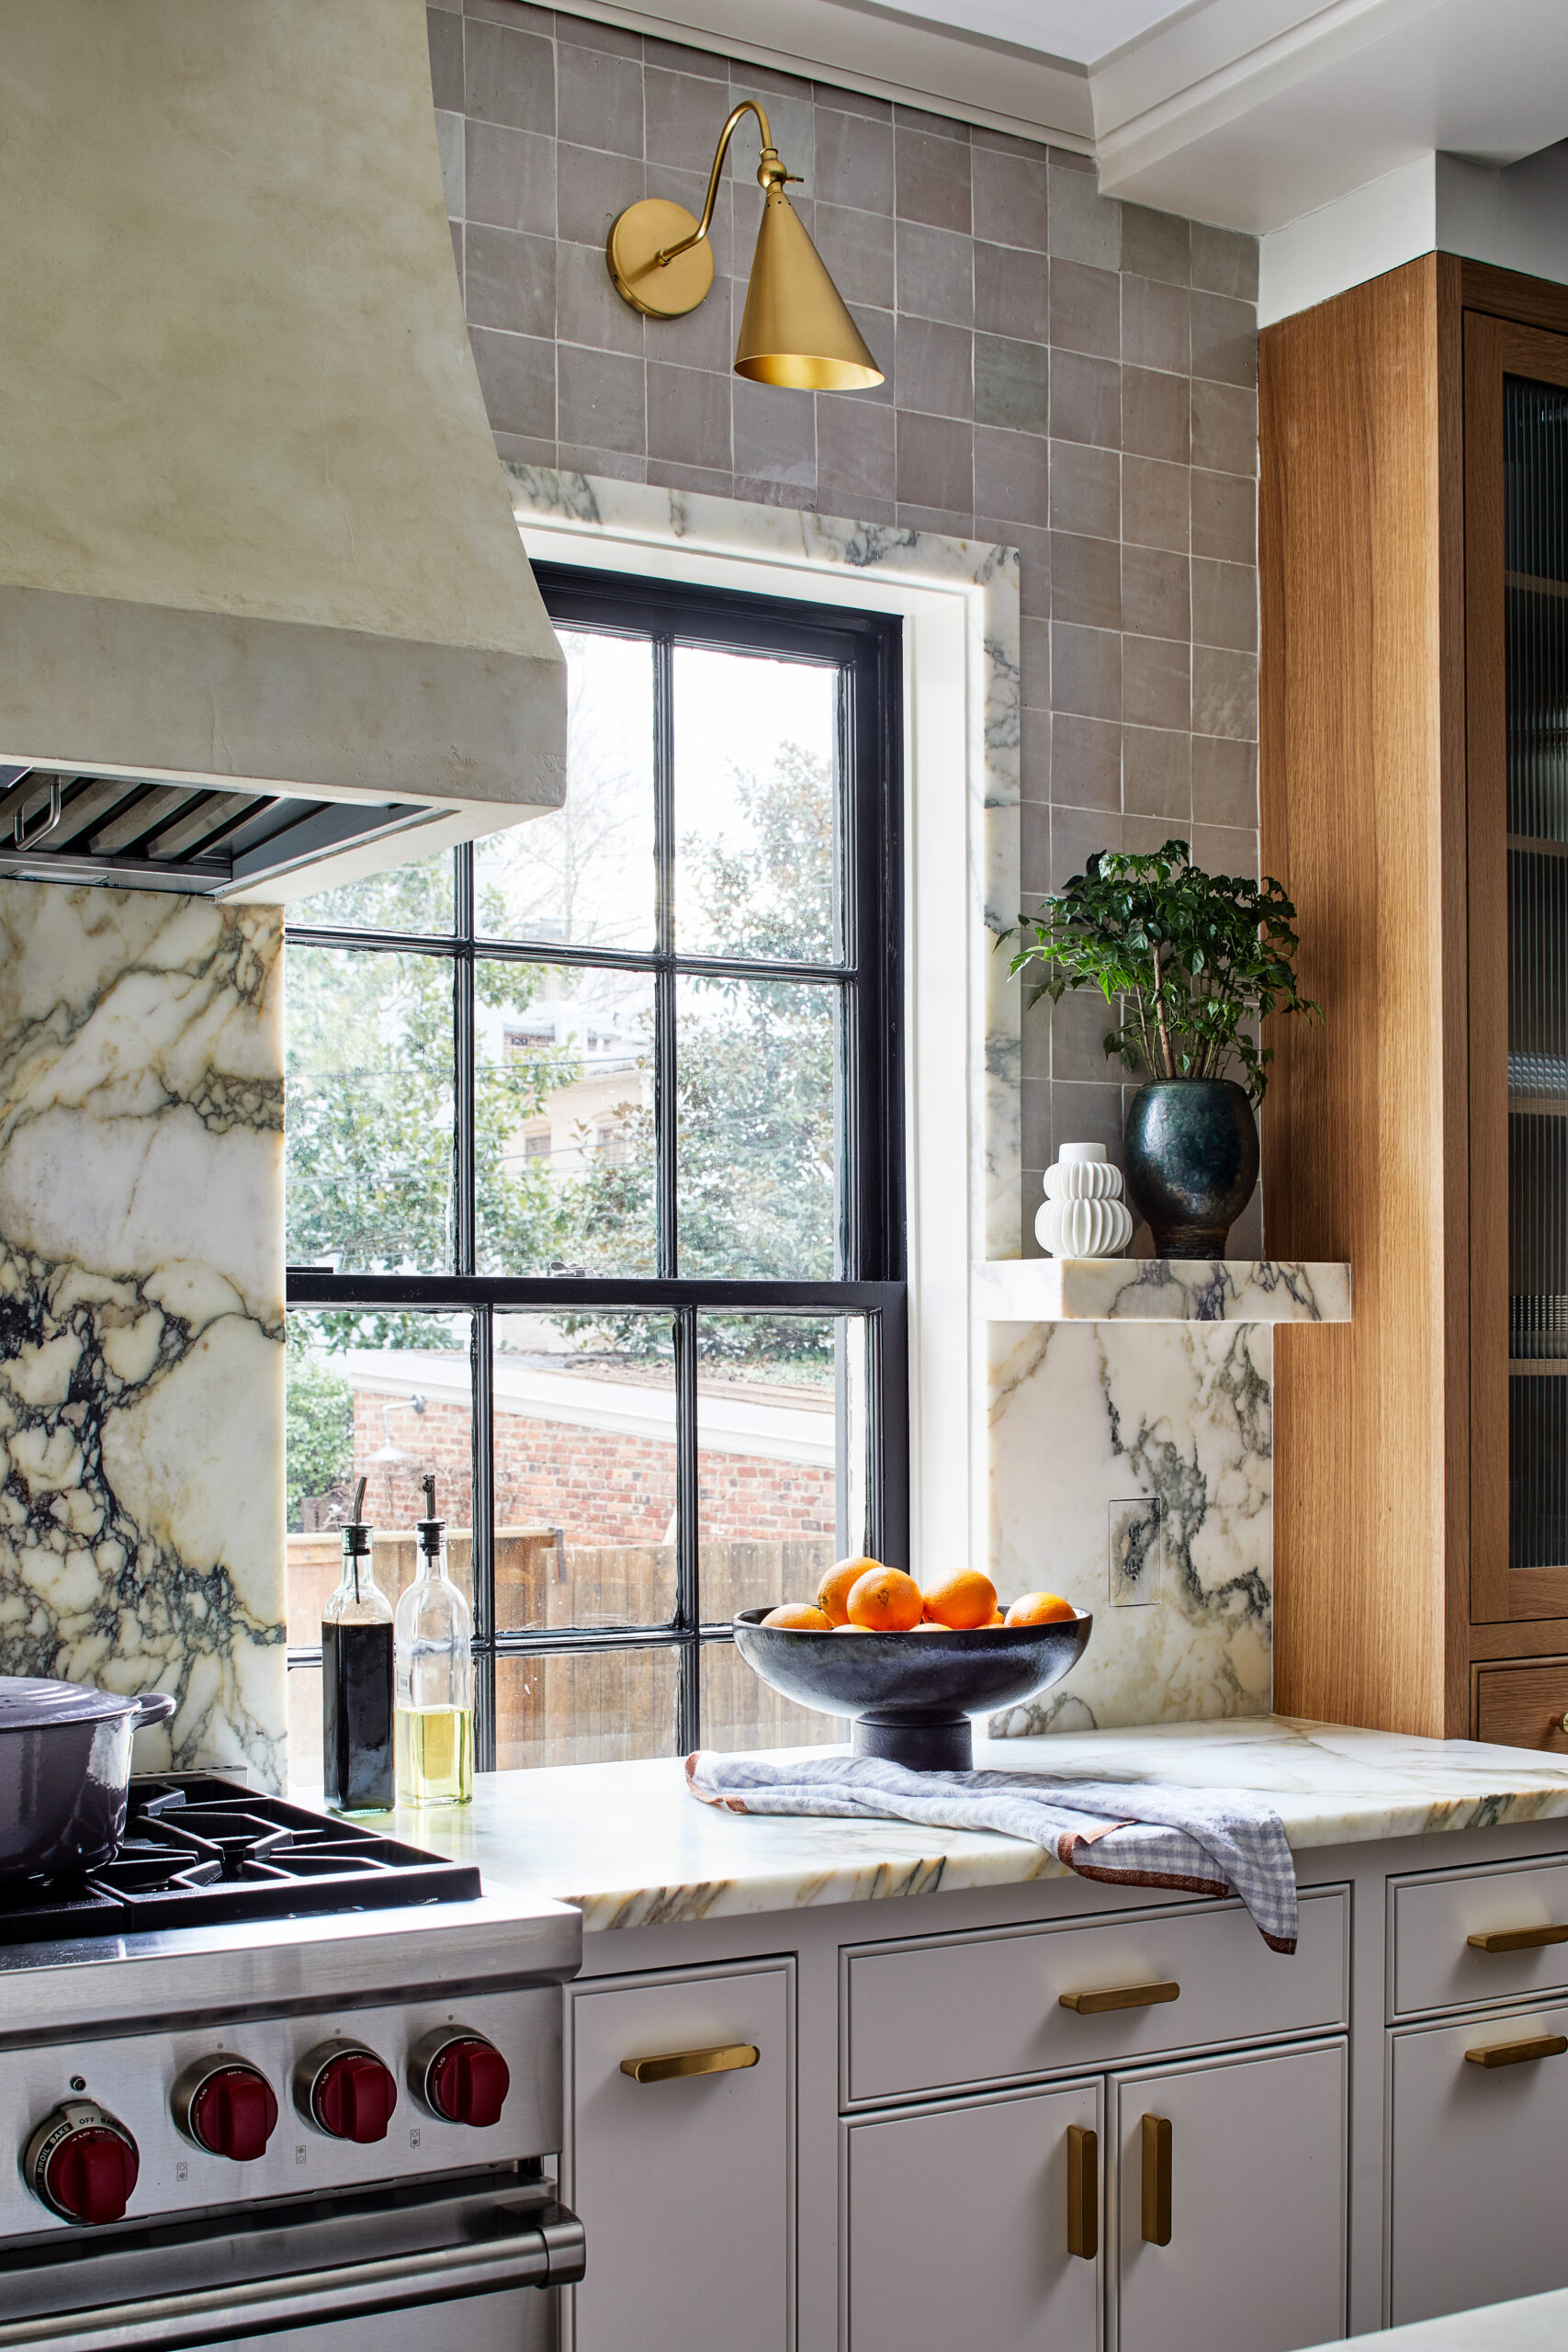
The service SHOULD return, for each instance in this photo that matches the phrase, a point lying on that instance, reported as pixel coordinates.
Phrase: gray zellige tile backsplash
(1073, 376)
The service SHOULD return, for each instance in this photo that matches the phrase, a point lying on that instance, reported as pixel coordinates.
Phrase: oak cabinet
(959, 2224)
(1414, 802)
(684, 2182)
(1240, 2167)
(1476, 2161)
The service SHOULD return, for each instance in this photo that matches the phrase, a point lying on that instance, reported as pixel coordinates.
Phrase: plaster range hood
(265, 619)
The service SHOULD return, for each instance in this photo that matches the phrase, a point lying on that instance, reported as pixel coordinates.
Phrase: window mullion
(482, 1345)
(664, 980)
(688, 1597)
(463, 1062)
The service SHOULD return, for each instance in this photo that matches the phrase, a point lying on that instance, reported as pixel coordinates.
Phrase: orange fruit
(962, 1599)
(800, 1617)
(884, 1601)
(1040, 1609)
(999, 1619)
(833, 1592)
(852, 1629)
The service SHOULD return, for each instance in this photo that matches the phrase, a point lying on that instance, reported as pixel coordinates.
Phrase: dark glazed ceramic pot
(1192, 1162)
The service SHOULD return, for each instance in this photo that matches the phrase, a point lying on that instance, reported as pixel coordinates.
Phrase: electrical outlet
(1136, 1552)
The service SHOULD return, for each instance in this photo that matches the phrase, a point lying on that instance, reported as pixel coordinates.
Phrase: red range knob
(353, 2095)
(466, 2080)
(231, 2112)
(83, 2164)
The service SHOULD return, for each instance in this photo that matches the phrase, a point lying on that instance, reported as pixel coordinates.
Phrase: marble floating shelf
(1161, 1290)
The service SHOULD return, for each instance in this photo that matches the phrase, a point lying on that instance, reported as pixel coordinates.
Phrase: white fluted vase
(1083, 1214)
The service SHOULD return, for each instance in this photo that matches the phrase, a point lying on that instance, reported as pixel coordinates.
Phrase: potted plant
(1195, 961)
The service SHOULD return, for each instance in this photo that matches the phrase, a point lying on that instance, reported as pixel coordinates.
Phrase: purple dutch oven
(64, 1771)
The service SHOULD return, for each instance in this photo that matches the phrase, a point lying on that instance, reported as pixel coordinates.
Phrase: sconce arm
(769, 173)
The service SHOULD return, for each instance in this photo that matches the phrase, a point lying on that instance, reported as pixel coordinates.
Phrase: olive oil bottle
(358, 1680)
(434, 1677)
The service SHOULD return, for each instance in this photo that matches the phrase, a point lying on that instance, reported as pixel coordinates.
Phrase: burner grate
(200, 1851)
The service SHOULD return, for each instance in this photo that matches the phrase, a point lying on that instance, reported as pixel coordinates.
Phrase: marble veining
(1164, 1290)
(142, 1310)
(630, 1847)
(1087, 1419)
(542, 496)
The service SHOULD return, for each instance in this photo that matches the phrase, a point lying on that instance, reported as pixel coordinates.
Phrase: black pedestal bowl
(911, 1695)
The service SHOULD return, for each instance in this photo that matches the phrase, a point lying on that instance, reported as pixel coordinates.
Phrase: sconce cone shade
(797, 330)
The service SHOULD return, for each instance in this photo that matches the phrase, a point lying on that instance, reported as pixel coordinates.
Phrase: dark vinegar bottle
(357, 1682)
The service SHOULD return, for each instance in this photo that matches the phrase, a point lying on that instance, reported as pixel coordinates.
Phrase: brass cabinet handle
(1156, 2180)
(1083, 2191)
(1120, 1996)
(678, 2063)
(1517, 1938)
(1518, 2053)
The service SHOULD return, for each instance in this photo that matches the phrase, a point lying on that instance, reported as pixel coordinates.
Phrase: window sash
(868, 981)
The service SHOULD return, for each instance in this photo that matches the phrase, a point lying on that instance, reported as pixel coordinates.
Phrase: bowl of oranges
(910, 1664)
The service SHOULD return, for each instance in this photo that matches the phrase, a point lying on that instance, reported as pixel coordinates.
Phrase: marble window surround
(1020, 1451)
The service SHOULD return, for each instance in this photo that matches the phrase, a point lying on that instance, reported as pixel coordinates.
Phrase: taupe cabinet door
(1257, 2204)
(957, 2227)
(685, 2185)
(1477, 2161)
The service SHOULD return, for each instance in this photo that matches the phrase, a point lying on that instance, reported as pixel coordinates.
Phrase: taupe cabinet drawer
(1476, 2152)
(1433, 1916)
(957, 2012)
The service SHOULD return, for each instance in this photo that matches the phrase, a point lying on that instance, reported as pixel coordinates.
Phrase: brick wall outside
(601, 1487)
(1072, 376)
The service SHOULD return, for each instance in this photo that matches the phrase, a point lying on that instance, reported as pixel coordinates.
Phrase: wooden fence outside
(601, 1705)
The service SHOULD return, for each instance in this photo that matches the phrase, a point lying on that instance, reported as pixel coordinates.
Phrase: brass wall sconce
(796, 330)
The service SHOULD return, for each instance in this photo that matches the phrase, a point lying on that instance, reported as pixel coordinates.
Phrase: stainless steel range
(272, 2075)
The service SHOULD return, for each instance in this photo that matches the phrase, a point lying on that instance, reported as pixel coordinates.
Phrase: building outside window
(595, 1183)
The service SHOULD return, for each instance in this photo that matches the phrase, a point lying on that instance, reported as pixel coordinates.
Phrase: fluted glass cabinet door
(1517, 717)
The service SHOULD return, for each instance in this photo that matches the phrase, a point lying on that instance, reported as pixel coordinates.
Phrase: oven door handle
(548, 2253)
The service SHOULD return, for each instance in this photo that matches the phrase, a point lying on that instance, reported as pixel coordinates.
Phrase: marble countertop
(630, 1847)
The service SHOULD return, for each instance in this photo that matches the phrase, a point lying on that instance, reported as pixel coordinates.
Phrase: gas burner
(200, 1851)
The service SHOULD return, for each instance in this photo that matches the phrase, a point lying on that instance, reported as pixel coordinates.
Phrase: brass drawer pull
(1120, 1996)
(1517, 1938)
(1156, 2180)
(1518, 2053)
(1083, 2191)
(678, 2063)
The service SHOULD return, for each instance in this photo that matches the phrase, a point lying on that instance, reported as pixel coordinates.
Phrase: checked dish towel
(1131, 1833)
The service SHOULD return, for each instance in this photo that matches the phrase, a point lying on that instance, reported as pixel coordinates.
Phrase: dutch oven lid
(29, 1704)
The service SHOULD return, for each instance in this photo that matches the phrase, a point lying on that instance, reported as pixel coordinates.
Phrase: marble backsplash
(142, 1310)
(1130, 1468)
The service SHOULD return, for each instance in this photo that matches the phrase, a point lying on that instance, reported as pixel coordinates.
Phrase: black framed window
(595, 1182)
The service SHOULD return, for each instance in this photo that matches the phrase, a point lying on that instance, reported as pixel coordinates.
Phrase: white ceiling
(1082, 31)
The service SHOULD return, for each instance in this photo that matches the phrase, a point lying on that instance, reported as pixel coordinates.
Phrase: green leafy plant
(1193, 960)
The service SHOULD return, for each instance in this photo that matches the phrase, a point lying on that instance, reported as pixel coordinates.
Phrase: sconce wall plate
(645, 230)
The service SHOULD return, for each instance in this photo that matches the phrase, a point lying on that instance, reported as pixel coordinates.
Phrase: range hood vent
(227, 843)
(265, 619)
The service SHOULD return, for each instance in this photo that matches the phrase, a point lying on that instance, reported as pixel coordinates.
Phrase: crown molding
(853, 43)
(1257, 112)
(1222, 62)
